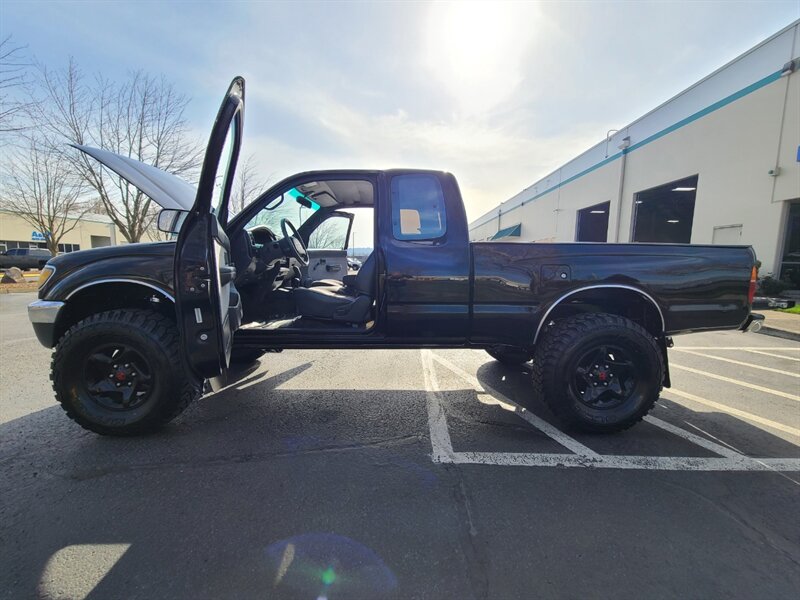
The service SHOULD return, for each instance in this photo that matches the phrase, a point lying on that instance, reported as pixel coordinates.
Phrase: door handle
(227, 273)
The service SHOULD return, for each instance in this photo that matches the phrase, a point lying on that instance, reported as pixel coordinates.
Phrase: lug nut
(129, 384)
(115, 366)
(111, 376)
(133, 374)
(128, 365)
(118, 384)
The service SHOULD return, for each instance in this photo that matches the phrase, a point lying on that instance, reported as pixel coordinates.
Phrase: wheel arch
(624, 300)
(110, 294)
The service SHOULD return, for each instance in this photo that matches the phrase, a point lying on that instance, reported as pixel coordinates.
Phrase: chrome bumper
(43, 315)
(44, 311)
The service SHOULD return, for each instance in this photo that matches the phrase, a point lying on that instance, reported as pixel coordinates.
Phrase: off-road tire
(509, 356)
(151, 333)
(557, 353)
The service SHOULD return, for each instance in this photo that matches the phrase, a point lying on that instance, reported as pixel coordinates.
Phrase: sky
(499, 94)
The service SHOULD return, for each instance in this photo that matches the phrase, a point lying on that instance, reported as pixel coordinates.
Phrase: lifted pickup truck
(137, 329)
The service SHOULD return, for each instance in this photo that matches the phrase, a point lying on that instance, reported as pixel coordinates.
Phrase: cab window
(417, 208)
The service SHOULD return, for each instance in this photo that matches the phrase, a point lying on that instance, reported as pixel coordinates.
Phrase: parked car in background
(25, 258)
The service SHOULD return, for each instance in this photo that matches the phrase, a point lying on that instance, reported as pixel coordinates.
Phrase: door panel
(327, 247)
(326, 264)
(208, 306)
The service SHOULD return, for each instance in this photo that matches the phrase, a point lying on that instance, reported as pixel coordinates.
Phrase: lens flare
(330, 566)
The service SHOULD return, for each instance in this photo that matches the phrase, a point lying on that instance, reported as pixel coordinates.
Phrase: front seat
(350, 303)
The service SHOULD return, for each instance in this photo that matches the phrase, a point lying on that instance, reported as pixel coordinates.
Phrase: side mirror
(170, 220)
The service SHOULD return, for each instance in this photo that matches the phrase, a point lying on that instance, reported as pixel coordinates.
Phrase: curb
(787, 335)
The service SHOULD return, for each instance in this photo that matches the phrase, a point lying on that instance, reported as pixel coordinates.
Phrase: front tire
(598, 372)
(121, 373)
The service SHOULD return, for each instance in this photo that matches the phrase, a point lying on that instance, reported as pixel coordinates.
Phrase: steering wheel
(293, 242)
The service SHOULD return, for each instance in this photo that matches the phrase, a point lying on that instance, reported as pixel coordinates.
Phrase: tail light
(751, 293)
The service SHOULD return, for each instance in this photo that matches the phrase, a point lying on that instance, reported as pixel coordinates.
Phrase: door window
(417, 208)
(331, 234)
(224, 180)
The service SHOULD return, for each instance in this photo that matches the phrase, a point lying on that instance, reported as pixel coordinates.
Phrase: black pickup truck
(138, 329)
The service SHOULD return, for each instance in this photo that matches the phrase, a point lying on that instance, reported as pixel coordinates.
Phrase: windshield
(292, 205)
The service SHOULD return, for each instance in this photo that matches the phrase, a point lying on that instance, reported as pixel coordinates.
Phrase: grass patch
(795, 310)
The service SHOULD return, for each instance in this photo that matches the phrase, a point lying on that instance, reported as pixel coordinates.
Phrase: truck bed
(695, 287)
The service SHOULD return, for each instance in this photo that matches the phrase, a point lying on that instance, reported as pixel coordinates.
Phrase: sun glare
(476, 49)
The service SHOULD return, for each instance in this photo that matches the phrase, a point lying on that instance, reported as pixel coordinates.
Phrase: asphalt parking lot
(407, 474)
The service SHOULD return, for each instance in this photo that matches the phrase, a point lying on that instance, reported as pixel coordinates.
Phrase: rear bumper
(43, 315)
(753, 323)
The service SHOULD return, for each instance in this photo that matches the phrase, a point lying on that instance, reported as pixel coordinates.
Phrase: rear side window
(417, 208)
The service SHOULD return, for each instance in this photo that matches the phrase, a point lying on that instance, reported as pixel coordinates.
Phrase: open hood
(166, 189)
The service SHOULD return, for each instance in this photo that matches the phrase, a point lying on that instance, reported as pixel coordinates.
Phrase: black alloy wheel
(117, 376)
(121, 372)
(597, 372)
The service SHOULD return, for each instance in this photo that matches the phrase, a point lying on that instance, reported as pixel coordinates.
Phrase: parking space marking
(735, 412)
(443, 452)
(739, 362)
(441, 444)
(747, 348)
(746, 384)
(540, 424)
(772, 354)
(692, 437)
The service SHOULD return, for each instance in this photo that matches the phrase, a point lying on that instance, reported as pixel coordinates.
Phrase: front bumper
(43, 315)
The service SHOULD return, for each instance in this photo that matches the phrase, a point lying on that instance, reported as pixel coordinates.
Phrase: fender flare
(631, 288)
(152, 286)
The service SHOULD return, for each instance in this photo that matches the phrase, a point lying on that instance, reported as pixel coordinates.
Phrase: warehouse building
(90, 231)
(717, 164)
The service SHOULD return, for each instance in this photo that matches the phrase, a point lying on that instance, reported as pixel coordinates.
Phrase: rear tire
(121, 373)
(509, 356)
(598, 372)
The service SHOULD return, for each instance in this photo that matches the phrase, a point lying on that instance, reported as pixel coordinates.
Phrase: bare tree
(329, 234)
(247, 186)
(142, 118)
(42, 188)
(12, 77)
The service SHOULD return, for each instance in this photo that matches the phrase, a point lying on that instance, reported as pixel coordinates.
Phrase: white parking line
(437, 422)
(738, 362)
(746, 384)
(747, 348)
(653, 463)
(735, 412)
(442, 448)
(694, 438)
(774, 355)
(540, 424)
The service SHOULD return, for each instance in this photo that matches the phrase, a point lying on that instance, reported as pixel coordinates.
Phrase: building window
(417, 208)
(664, 214)
(592, 223)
